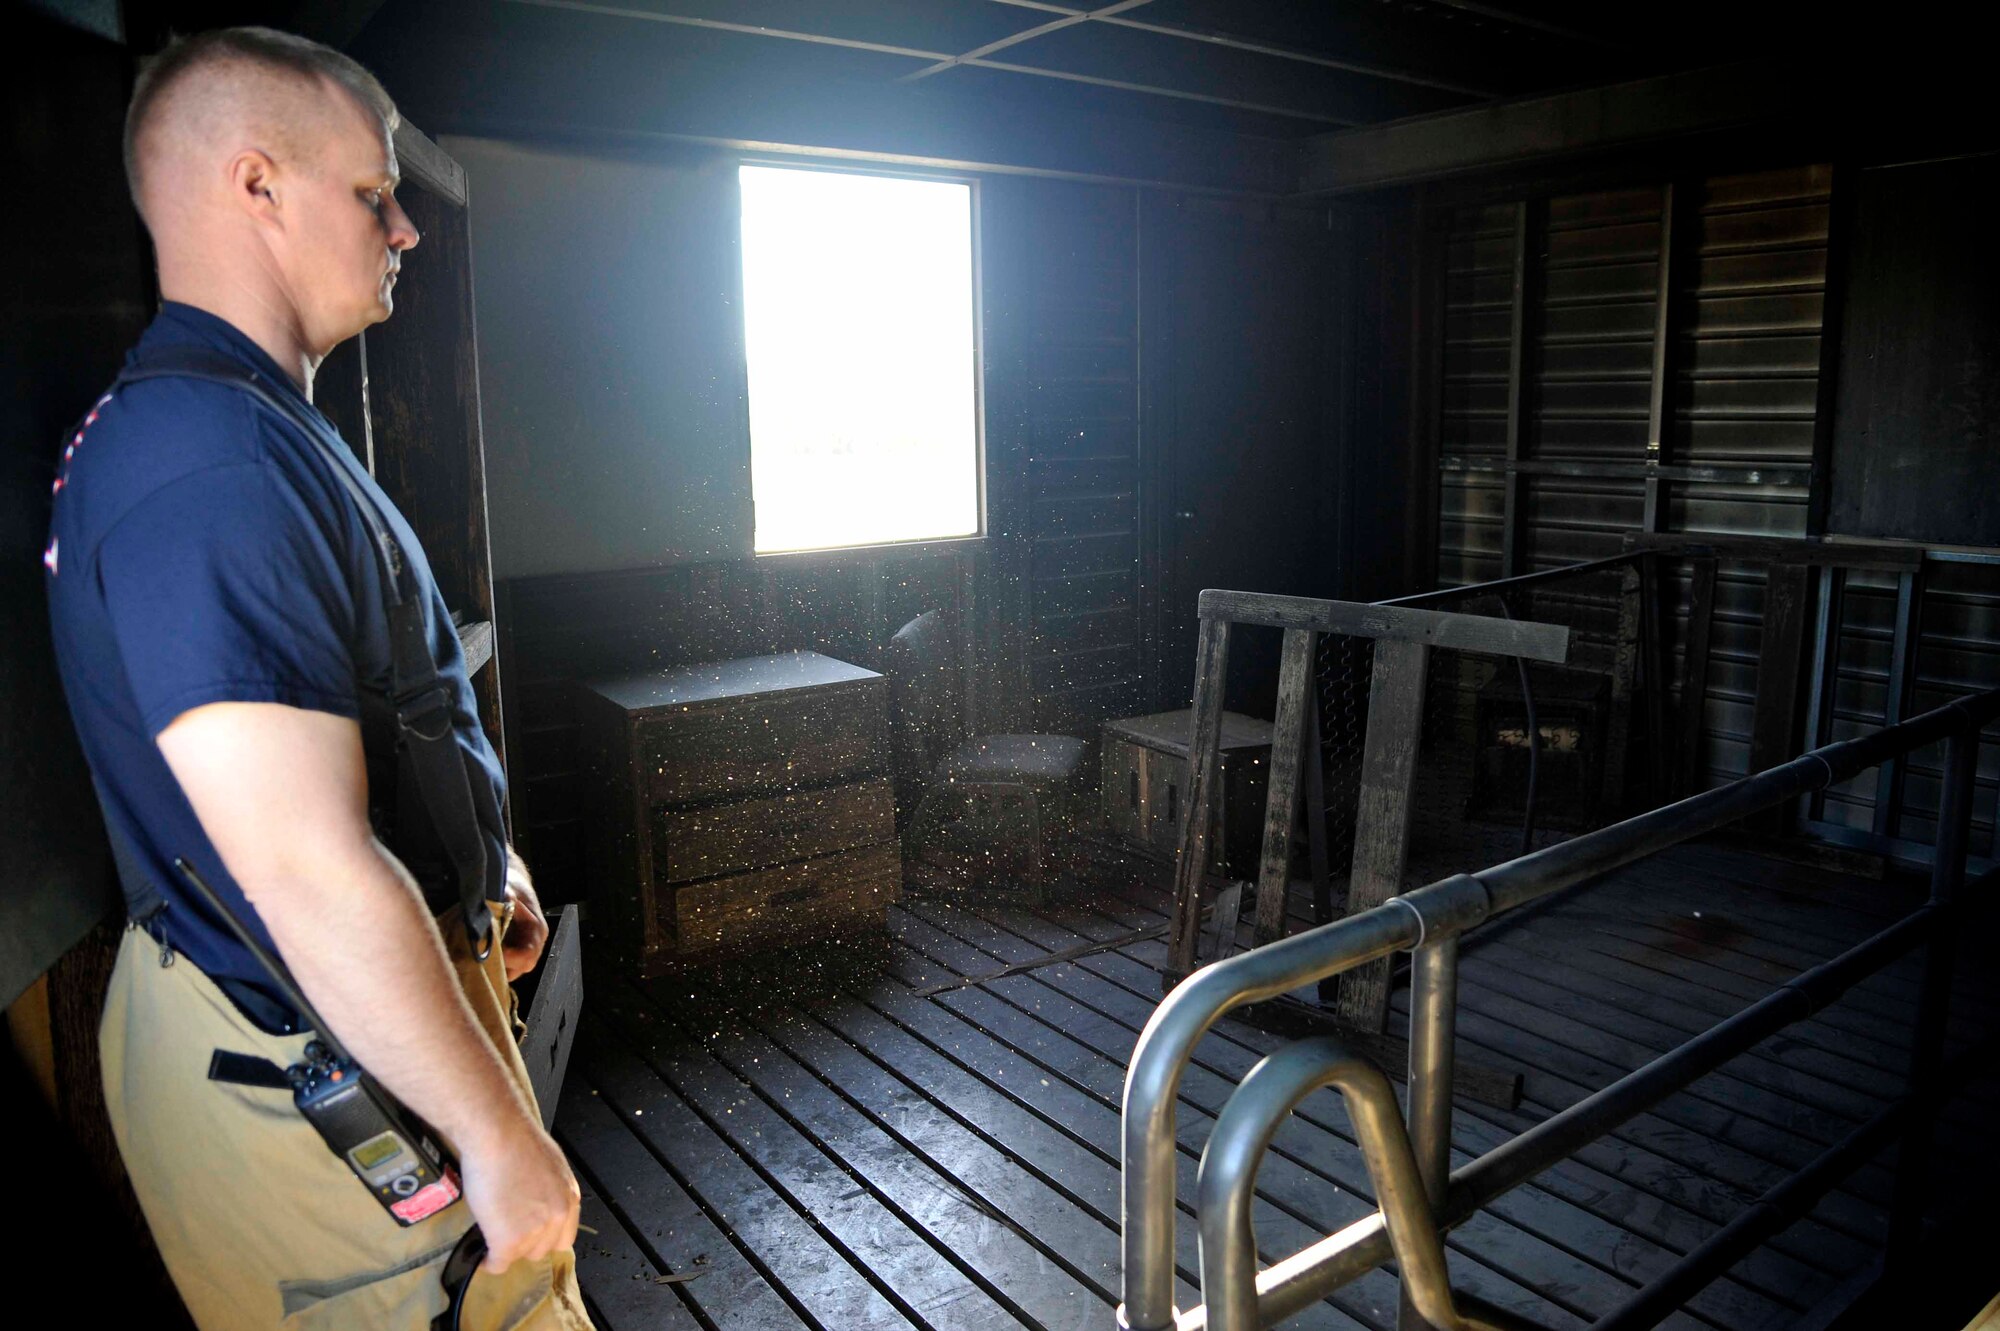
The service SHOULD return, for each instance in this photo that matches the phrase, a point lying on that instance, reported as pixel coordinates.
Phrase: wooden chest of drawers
(737, 805)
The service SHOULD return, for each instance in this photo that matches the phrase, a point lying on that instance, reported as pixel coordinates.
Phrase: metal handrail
(1501, 586)
(1429, 921)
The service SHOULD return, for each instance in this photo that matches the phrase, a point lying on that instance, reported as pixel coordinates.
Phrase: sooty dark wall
(78, 295)
(1131, 363)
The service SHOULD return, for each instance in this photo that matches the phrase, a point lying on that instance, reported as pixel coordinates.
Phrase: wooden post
(1654, 672)
(1908, 630)
(1825, 674)
(1624, 673)
(1314, 759)
(1281, 806)
(1786, 586)
(1520, 377)
(1381, 824)
(1204, 763)
(1694, 674)
(1659, 409)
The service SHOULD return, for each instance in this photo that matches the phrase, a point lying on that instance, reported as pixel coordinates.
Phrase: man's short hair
(264, 49)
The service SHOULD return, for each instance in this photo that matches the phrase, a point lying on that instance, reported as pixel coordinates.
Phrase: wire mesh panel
(1471, 805)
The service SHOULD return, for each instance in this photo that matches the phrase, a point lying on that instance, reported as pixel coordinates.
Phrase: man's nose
(402, 231)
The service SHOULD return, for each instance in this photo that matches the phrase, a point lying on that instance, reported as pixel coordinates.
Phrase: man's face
(349, 237)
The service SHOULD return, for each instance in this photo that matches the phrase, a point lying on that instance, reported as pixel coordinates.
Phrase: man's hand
(522, 1193)
(529, 933)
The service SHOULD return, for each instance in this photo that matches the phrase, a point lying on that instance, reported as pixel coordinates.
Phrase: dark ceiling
(1262, 67)
(1221, 94)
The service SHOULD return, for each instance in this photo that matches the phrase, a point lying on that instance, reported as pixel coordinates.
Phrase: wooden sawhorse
(1403, 640)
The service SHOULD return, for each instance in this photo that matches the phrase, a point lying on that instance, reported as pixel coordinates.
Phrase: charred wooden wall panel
(1955, 651)
(1916, 446)
(1478, 263)
(1243, 305)
(1747, 261)
(1748, 331)
(1062, 629)
(1746, 395)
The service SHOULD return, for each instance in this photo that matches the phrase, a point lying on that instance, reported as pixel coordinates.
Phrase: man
(220, 624)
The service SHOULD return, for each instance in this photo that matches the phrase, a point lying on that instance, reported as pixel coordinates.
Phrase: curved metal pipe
(1227, 1180)
(1152, 1082)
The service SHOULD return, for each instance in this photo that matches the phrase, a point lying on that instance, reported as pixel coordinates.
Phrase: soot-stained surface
(883, 1133)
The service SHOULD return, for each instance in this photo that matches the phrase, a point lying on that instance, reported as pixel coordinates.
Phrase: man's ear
(254, 185)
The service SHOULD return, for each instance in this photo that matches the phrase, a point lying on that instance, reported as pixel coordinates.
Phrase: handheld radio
(388, 1148)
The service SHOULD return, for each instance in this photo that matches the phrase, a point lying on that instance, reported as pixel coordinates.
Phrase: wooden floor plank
(620, 1287)
(1814, 1045)
(919, 1278)
(1611, 1249)
(1624, 1202)
(1651, 959)
(1672, 1227)
(1795, 1101)
(1721, 967)
(1642, 1156)
(1559, 1076)
(838, 1151)
(1738, 917)
(1305, 1158)
(1593, 1034)
(1802, 1062)
(1805, 887)
(1027, 1109)
(780, 1241)
(871, 1118)
(1738, 926)
(668, 1225)
(1053, 1262)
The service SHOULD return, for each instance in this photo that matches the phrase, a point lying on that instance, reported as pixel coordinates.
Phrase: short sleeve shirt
(202, 550)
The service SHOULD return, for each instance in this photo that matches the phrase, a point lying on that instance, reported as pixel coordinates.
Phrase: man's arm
(282, 794)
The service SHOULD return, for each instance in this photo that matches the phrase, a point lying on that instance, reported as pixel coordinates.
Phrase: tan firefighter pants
(260, 1225)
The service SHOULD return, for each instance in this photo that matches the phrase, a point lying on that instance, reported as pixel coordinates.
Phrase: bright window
(860, 330)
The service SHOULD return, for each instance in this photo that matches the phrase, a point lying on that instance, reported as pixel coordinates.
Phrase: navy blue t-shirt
(202, 550)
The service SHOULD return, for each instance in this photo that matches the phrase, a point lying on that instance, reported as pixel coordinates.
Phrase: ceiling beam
(1070, 19)
(940, 59)
(1514, 18)
(1538, 128)
(1207, 37)
(527, 72)
(719, 25)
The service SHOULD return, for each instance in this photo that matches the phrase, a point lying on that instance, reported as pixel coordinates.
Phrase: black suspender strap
(421, 699)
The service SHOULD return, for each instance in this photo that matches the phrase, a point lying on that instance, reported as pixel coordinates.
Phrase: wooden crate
(1145, 778)
(737, 805)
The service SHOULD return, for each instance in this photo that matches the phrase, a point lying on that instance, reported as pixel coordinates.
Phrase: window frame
(916, 546)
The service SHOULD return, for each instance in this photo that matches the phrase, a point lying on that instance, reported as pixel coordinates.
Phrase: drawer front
(1120, 789)
(1163, 783)
(810, 738)
(849, 889)
(1144, 798)
(777, 829)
